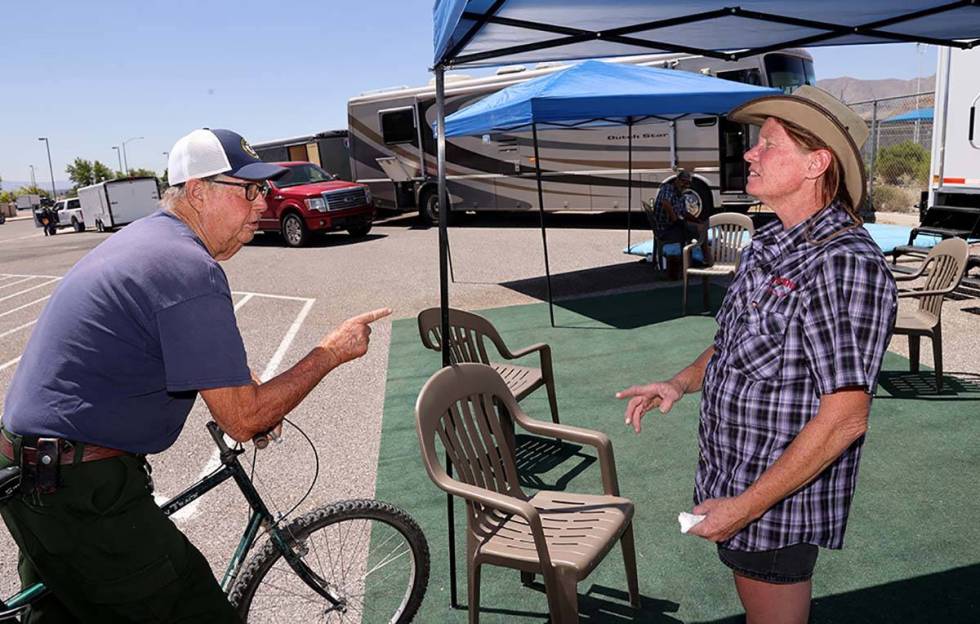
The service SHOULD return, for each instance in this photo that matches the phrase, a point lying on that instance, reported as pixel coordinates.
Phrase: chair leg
(552, 399)
(527, 578)
(629, 558)
(704, 293)
(684, 296)
(914, 353)
(563, 596)
(473, 591)
(937, 357)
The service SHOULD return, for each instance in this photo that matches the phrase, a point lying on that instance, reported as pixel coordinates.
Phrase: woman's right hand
(644, 398)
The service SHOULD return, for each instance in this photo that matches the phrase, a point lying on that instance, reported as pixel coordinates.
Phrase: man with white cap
(787, 383)
(134, 331)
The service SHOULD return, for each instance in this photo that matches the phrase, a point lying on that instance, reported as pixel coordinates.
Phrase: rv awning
(473, 33)
(594, 91)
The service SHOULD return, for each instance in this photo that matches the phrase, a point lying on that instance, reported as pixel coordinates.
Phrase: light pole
(118, 157)
(54, 193)
(33, 179)
(125, 161)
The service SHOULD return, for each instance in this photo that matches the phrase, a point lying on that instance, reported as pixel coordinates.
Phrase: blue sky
(89, 75)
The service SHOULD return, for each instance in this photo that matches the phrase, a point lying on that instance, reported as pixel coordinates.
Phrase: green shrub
(887, 198)
(907, 160)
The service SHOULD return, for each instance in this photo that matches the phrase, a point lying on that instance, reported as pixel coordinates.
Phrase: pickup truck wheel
(79, 226)
(359, 231)
(294, 231)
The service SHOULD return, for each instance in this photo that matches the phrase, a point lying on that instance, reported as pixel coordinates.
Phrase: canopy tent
(472, 33)
(922, 114)
(594, 92)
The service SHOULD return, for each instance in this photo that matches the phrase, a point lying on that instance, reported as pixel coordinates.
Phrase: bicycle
(358, 539)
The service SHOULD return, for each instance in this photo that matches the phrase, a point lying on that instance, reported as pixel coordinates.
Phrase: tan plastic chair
(560, 535)
(943, 269)
(728, 234)
(470, 332)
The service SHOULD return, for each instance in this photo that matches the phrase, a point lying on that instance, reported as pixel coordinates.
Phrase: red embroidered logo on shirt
(781, 286)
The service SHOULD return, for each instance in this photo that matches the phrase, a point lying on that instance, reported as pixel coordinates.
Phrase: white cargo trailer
(115, 203)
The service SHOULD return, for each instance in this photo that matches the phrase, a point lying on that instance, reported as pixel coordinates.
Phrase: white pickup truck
(68, 213)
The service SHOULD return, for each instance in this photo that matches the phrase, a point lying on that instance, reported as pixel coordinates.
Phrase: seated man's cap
(205, 152)
(682, 174)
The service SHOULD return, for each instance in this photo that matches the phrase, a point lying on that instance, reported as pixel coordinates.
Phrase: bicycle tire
(305, 532)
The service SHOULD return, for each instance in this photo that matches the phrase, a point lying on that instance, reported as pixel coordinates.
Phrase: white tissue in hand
(688, 520)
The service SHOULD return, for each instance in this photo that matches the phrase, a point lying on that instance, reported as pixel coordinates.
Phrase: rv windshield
(789, 72)
(307, 173)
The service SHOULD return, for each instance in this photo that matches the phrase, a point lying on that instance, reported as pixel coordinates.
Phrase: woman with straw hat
(787, 383)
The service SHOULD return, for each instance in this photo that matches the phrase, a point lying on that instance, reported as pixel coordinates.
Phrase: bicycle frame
(261, 516)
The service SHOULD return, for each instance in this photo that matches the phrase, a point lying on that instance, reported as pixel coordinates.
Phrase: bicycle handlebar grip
(261, 440)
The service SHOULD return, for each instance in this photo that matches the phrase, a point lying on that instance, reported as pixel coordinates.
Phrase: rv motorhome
(393, 151)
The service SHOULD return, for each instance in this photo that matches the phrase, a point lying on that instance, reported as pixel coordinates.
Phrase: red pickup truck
(308, 200)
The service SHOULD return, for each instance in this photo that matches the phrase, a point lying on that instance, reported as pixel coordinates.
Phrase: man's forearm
(691, 378)
(838, 423)
(278, 396)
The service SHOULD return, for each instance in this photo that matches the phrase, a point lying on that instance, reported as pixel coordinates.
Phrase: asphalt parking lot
(288, 299)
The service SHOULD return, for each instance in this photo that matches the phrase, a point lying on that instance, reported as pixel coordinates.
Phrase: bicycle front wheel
(371, 555)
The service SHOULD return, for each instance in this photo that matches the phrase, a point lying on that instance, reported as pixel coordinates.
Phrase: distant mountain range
(13, 185)
(853, 91)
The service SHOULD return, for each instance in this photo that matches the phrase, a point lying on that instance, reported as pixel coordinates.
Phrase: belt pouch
(48, 462)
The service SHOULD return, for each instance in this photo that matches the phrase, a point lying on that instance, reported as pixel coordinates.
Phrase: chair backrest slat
(468, 335)
(943, 267)
(729, 233)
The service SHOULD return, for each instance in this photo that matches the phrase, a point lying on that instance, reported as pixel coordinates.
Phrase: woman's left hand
(724, 517)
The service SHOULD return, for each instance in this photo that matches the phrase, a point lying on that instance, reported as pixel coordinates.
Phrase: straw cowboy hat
(826, 117)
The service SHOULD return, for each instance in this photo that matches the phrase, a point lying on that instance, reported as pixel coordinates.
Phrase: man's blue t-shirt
(136, 327)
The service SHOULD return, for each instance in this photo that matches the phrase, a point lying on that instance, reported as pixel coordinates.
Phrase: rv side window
(398, 126)
(750, 76)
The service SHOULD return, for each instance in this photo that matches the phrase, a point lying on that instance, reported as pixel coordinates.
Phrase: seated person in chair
(672, 223)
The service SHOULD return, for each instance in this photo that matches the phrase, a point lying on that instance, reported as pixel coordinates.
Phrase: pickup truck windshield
(303, 174)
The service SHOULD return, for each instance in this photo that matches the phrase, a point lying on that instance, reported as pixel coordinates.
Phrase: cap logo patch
(248, 149)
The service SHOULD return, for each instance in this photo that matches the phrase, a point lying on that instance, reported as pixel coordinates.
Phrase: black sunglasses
(252, 189)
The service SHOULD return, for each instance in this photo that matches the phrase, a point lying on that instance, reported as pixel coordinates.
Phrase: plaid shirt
(800, 320)
(668, 194)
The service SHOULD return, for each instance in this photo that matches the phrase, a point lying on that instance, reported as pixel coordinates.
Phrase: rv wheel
(700, 203)
(294, 231)
(75, 223)
(429, 207)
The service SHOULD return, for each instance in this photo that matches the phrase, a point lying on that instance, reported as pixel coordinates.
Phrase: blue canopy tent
(596, 93)
(473, 33)
(919, 115)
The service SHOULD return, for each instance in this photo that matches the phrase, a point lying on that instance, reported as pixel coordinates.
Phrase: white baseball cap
(205, 152)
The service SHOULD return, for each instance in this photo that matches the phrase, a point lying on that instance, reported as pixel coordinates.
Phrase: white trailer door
(130, 200)
(961, 159)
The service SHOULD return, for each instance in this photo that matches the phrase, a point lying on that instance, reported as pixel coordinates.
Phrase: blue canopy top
(922, 114)
(597, 91)
(495, 32)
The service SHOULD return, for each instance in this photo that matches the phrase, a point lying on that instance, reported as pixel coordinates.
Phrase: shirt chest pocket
(759, 348)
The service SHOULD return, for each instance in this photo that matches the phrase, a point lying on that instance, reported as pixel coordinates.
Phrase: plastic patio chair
(561, 535)
(728, 234)
(943, 269)
(469, 334)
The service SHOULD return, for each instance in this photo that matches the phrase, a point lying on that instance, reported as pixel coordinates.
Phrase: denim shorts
(782, 566)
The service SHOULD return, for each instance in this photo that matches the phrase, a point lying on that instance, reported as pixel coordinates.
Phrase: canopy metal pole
(544, 236)
(629, 185)
(444, 300)
(673, 144)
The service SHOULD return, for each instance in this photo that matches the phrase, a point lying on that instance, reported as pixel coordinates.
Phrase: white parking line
(9, 364)
(214, 462)
(53, 279)
(16, 281)
(25, 275)
(17, 329)
(26, 305)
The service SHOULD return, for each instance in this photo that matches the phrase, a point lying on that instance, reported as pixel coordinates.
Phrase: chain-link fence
(898, 149)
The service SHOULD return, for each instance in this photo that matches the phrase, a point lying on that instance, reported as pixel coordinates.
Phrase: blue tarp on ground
(495, 32)
(886, 236)
(595, 90)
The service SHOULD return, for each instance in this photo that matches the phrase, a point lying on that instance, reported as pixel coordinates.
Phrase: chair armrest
(926, 293)
(596, 439)
(504, 503)
(686, 254)
(505, 352)
(906, 277)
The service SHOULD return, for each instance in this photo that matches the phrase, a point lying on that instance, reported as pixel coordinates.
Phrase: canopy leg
(544, 236)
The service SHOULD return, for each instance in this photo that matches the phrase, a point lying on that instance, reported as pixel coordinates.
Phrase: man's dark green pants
(107, 551)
